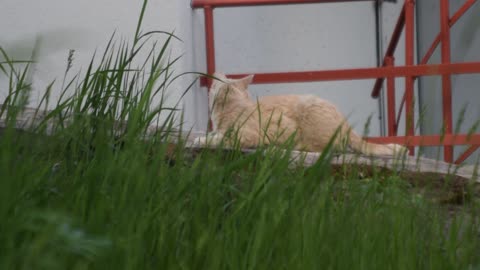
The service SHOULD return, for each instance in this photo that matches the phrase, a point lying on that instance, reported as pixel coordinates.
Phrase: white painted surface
(260, 39)
(57, 26)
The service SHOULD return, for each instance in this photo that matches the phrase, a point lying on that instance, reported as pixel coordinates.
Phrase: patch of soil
(441, 188)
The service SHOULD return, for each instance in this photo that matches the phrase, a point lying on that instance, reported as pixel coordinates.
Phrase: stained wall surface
(465, 47)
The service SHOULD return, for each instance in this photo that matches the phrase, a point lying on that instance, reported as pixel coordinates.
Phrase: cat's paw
(397, 149)
(211, 140)
(199, 142)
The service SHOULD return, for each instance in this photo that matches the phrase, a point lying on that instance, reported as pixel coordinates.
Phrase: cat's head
(224, 88)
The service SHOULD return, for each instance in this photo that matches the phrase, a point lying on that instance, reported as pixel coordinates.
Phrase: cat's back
(292, 102)
(301, 107)
(279, 100)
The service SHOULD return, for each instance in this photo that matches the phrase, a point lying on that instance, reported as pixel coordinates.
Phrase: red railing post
(209, 41)
(446, 79)
(210, 50)
(409, 61)
(462, 10)
(392, 124)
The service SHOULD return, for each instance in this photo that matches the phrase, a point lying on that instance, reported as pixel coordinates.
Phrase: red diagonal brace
(466, 154)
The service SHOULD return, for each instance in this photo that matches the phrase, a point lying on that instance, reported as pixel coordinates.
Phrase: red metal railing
(410, 71)
(240, 3)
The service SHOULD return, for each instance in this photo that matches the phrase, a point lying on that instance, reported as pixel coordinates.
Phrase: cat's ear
(219, 75)
(244, 82)
(218, 80)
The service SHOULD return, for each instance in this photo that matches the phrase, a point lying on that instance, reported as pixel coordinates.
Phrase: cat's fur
(309, 120)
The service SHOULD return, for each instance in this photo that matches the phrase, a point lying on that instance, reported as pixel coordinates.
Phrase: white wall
(56, 26)
(260, 39)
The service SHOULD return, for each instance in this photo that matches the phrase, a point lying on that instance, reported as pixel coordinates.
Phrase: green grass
(132, 208)
(83, 194)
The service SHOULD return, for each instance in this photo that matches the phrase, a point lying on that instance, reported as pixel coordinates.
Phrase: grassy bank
(66, 205)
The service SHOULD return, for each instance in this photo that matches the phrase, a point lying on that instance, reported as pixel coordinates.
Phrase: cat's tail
(360, 145)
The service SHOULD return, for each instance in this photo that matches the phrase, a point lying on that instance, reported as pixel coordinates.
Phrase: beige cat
(311, 121)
